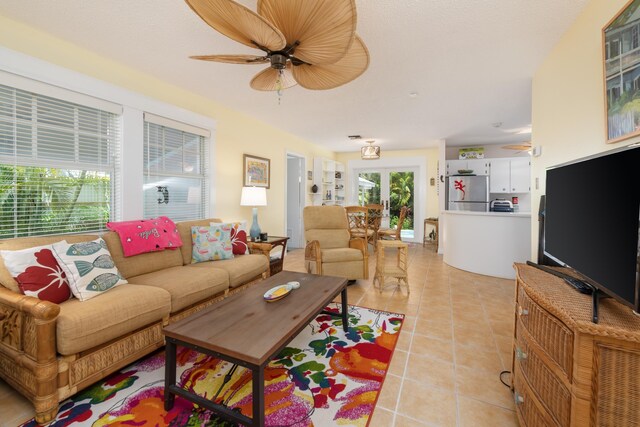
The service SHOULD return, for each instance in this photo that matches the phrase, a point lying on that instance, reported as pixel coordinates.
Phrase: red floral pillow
(38, 273)
(238, 237)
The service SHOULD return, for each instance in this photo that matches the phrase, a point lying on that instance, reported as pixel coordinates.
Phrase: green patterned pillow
(211, 243)
(88, 267)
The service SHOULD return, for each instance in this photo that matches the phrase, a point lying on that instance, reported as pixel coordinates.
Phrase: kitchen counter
(486, 242)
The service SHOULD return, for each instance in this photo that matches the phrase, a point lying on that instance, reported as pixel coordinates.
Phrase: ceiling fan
(525, 146)
(312, 43)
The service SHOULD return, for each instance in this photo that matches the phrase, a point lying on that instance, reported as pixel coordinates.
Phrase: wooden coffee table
(246, 330)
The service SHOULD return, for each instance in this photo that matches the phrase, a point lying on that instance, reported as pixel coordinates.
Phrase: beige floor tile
(404, 341)
(390, 391)
(487, 359)
(484, 386)
(503, 329)
(474, 337)
(428, 404)
(430, 371)
(474, 413)
(398, 362)
(381, 418)
(435, 329)
(432, 347)
(403, 421)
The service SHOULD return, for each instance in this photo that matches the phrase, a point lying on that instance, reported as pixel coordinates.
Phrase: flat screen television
(591, 221)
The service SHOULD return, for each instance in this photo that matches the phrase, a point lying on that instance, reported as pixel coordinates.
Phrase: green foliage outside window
(39, 201)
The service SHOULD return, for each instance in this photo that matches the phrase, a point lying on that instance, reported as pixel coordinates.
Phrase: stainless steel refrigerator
(468, 193)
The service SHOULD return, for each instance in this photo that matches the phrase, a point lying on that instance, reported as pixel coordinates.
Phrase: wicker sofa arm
(28, 325)
(260, 248)
(312, 254)
(361, 244)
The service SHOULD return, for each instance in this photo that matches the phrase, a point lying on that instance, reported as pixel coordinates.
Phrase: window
(57, 164)
(175, 169)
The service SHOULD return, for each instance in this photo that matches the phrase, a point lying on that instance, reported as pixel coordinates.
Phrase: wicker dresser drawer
(528, 409)
(549, 390)
(548, 332)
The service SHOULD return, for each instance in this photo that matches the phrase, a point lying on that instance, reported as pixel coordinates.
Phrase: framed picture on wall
(621, 47)
(257, 171)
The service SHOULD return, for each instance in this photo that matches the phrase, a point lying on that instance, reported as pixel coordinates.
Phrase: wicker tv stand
(568, 371)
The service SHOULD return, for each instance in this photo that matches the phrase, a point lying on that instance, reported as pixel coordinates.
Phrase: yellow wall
(568, 98)
(431, 156)
(236, 133)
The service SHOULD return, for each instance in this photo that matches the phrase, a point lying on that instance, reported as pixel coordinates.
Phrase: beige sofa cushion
(143, 263)
(184, 228)
(328, 225)
(28, 242)
(340, 255)
(241, 268)
(187, 285)
(82, 325)
(351, 270)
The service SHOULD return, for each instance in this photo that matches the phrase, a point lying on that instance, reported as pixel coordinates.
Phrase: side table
(397, 269)
(266, 246)
(425, 237)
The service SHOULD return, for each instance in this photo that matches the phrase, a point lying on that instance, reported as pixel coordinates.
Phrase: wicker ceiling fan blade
(329, 76)
(325, 29)
(272, 79)
(233, 59)
(519, 147)
(238, 23)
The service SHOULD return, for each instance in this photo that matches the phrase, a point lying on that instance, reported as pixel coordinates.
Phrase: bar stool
(397, 271)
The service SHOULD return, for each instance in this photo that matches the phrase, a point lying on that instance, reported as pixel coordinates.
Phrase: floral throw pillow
(38, 273)
(89, 268)
(211, 243)
(238, 236)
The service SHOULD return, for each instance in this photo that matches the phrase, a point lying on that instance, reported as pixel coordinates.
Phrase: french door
(391, 187)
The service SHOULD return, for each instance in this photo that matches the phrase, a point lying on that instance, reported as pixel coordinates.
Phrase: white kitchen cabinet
(509, 175)
(520, 175)
(500, 176)
(478, 166)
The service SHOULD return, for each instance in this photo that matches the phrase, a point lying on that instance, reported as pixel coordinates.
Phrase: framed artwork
(620, 47)
(256, 171)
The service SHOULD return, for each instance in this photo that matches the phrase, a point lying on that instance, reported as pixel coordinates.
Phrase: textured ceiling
(471, 63)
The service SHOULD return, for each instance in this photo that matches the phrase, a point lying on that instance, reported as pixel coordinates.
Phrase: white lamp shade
(370, 152)
(253, 196)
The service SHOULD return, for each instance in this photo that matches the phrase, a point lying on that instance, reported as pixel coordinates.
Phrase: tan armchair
(330, 250)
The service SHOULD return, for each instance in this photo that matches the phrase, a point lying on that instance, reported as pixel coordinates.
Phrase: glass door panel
(392, 188)
(401, 193)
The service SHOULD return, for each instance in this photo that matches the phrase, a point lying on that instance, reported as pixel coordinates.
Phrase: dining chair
(375, 221)
(358, 218)
(394, 233)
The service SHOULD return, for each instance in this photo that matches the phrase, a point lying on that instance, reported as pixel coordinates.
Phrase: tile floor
(455, 341)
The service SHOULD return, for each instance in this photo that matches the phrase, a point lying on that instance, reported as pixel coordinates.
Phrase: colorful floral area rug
(324, 377)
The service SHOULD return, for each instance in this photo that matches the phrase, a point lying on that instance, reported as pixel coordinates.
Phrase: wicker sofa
(49, 351)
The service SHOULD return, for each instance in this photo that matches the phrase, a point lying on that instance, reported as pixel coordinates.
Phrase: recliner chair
(330, 250)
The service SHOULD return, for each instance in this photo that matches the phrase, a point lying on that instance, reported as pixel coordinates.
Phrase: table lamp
(254, 196)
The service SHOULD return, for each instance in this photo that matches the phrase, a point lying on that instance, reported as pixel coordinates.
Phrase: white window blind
(175, 168)
(57, 164)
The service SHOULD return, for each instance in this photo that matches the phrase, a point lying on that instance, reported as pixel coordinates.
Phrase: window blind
(57, 164)
(175, 167)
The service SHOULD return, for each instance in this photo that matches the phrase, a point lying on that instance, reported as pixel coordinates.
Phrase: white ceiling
(471, 63)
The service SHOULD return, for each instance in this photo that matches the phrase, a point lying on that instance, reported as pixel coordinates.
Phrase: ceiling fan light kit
(312, 43)
(370, 152)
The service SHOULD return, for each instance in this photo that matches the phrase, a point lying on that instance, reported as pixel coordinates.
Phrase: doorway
(393, 188)
(294, 196)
